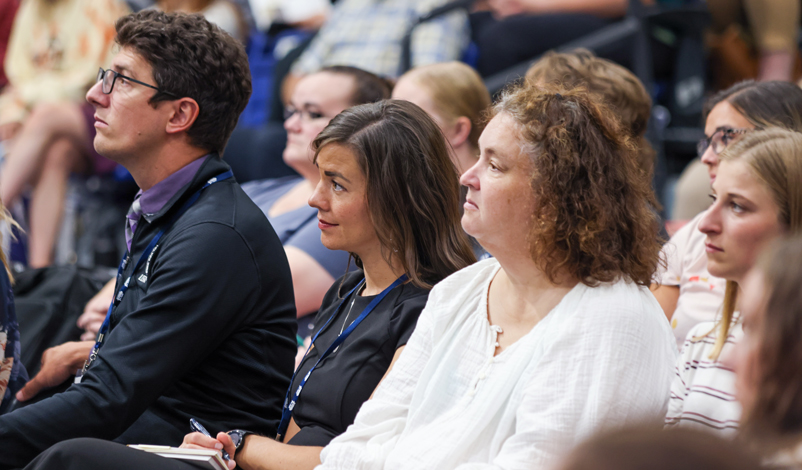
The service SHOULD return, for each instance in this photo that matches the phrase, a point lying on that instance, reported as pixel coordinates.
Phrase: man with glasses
(202, 324)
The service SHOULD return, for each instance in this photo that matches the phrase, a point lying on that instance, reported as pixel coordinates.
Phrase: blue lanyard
(286, 412)
(146, 255)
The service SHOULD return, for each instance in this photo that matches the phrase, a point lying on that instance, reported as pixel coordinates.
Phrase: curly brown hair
(593, 218)
(193, 58)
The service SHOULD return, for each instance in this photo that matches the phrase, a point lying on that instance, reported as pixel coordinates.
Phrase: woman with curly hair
(518, 357)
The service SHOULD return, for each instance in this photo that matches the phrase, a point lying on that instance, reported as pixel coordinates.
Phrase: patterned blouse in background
(54, 52)
(12, 373)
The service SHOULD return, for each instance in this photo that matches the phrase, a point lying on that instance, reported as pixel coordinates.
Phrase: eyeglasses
(290, 111)
(109, 77)
(719, 140)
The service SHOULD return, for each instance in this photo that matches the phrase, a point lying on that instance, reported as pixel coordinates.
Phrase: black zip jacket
(209, 334)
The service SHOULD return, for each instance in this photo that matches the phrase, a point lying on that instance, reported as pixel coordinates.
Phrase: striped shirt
(703, 390)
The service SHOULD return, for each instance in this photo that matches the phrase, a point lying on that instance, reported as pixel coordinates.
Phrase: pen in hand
(195, 426)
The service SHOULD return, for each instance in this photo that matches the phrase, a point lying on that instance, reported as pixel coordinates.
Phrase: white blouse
(602, 357)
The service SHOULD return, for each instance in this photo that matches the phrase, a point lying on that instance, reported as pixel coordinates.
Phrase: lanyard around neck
(146, 255)
(289, 404)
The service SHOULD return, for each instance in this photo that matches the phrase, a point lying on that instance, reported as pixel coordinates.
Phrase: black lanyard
(146, 255)
(286, 412)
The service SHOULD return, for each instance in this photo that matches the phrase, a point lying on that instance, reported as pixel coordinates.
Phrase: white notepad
(209, 459)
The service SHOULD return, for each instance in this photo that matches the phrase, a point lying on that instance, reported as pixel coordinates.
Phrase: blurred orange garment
(54, 52)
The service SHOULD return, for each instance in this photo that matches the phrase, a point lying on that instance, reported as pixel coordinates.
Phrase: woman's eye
(736, 207)
(713, 197)
(336, 186)
(314, 115)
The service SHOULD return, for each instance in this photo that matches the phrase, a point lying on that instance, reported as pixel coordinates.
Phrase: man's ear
(183, 114)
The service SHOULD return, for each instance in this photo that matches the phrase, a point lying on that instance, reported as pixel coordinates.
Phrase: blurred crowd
(698, 101)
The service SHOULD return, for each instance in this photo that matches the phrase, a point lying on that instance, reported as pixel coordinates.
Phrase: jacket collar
(212, 166)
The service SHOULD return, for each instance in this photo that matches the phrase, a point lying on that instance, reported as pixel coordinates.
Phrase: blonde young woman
(454, 95)
(687, 291)
(757, 198)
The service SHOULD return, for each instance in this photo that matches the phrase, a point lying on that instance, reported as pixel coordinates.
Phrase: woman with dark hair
(317, 98)
(388, 194)
(767, 359)
(688, 293)
(757, 198)
(518, 357)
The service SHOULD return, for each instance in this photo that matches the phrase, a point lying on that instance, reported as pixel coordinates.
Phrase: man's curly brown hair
(593, 219)
(194, 58)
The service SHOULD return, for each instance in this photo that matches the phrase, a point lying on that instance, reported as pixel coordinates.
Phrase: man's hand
(95, 311)
(58, 364)
(197, 440)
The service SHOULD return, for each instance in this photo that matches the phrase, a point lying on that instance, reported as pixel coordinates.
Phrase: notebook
(201, 458)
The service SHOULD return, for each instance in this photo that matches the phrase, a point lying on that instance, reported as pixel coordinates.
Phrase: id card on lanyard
(291, 401)
(146, 255)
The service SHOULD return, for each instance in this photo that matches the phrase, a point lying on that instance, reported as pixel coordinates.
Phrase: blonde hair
(5, 218)
(456, 91)
(774, 157)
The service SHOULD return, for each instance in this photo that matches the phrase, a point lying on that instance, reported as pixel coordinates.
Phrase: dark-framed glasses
(109, 77)
(719, 140)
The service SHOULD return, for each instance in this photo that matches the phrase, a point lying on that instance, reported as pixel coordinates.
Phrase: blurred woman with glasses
(685, 289)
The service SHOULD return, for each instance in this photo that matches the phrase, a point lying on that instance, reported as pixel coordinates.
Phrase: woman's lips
(324, 225)
(469, 204)
(100, 122)
(710, 248)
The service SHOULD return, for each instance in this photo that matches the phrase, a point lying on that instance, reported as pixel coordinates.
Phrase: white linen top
(700, 293)
(703, 390)
(603, 356)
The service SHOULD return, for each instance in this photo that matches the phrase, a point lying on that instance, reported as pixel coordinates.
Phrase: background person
(516, 357)
(393, 226)
(454, 95)
(642, 447)
(766, 360)
(686, 290)
(756, 200)
(46, 127)
(12, 372)
(619, 88)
